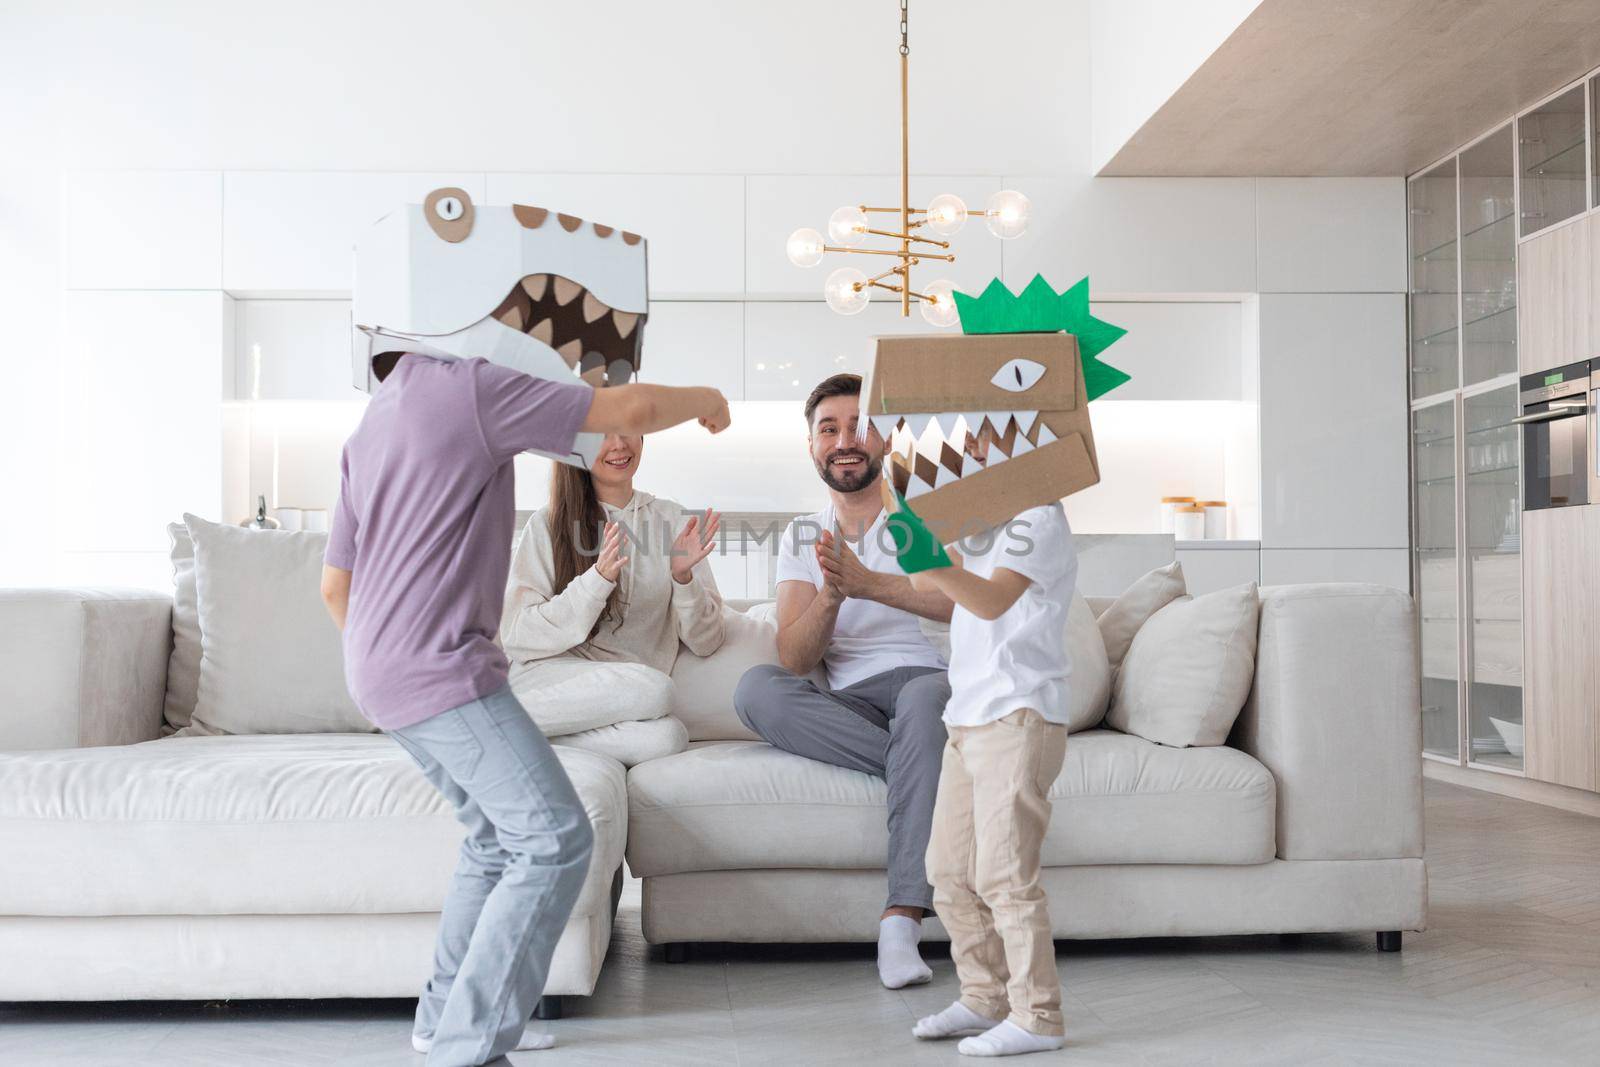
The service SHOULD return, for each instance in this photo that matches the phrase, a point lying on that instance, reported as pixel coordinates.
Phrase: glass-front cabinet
(1488, 259)
(1555, 161)
(1466, 462)
(1492, 552)
(1436, 569)
(1435, 288)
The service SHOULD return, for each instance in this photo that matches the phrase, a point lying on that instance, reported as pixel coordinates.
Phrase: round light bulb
(847, 226)
(938, 304)
(804, 248)
(1008, 214)
(946, 214)
(847, 291)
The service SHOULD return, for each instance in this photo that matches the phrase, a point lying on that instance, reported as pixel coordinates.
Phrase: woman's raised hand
(609, 565)
(694, 543)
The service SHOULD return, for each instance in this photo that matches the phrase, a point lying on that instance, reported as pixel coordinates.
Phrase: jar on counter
(1169, 508)
(1216, 519)
(1189, 523)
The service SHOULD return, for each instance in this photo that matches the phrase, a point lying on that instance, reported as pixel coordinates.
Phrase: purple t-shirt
(424, 524)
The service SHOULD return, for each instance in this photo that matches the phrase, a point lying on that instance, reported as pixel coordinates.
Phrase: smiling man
(844, 602)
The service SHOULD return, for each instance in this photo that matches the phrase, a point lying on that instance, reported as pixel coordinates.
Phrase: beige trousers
(983, 860)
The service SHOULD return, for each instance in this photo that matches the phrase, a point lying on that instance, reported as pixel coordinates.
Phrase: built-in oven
(1559, 456)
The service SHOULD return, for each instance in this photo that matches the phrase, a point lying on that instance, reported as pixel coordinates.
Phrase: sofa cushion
(270, 657)
(702, 686)
(268, 824)
(1118, 799)
(1190, 669)
(183, 665)
(1121, 620)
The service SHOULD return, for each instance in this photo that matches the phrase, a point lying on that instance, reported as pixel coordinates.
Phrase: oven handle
(1557, 411)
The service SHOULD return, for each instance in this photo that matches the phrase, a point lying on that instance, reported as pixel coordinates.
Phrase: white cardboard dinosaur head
(547, 294)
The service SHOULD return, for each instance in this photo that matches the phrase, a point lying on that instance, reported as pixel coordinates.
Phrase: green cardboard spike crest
(1040, 309)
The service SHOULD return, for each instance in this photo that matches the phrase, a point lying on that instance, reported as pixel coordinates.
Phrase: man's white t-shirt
(868, 637)
(1020, 659)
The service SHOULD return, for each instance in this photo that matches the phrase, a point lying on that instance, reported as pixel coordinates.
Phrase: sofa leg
(1388, 940)
(549, 1007)
(675, 952)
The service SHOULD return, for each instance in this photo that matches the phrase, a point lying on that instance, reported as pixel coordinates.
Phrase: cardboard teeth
(884, 424)
(566, 290)
(592, 308)
(1024, 419)
(1045, 436)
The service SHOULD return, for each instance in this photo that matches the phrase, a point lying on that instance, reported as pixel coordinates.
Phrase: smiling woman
(606, 583)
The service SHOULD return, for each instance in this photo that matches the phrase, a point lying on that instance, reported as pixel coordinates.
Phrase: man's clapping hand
(843, 573)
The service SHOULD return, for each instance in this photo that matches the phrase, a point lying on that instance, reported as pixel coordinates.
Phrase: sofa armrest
(82, 667)
(1335, 715)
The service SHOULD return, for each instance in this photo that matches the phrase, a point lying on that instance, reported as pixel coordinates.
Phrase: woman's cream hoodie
(657, 613)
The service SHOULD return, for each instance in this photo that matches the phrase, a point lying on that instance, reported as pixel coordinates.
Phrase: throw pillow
(702, 686)
(183, 665)
(1090, 684)
(270, 657)
(1122, 620)
(1189, 670)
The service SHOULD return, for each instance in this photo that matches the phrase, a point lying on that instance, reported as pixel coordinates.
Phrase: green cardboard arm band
(916, 549)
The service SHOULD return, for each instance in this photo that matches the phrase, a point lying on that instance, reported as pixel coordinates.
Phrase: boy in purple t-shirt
(415, 576)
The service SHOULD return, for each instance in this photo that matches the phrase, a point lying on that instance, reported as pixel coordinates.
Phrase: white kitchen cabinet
(294, 232)
(791, 346)
(1137, 235)
(1177, 350)
(142, 229)
(694, 223)
(1208, 569)
(695, 343)
(293, 350)
(1333, 421)
(776, 206)
(1331, 235)
(141, 435)
(1380, 566)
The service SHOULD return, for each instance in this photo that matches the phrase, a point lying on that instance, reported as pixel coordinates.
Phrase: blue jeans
(522, 865)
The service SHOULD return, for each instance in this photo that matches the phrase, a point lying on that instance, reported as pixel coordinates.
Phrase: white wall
(1141, 52)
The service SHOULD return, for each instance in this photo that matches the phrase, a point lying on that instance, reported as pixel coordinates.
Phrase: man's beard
(853, 480)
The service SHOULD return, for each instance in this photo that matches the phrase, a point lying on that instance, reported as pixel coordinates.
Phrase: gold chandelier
(849, 290)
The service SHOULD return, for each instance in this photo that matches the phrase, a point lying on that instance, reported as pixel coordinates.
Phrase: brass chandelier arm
(889, 252)
(908, 237)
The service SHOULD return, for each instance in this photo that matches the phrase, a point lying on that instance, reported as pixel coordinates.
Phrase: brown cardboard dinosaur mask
(979, 427)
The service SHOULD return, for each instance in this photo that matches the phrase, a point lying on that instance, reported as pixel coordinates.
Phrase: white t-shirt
(1020, 659)
(868, 637)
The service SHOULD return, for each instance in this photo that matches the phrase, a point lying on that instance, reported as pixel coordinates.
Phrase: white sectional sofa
(308, 865)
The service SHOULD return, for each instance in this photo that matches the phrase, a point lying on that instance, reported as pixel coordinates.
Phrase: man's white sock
(957, 1020)
(1008, 1039)
(899, 962)
(531, 1041)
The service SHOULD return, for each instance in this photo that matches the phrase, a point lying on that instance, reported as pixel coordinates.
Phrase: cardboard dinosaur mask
(982, 426)
(547, 294)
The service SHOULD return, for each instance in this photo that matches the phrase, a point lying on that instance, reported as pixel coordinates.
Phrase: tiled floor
(1509, 972)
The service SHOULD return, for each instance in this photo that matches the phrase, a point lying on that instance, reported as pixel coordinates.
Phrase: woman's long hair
(575, 513)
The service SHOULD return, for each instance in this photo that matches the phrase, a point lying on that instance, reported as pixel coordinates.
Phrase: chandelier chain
(905, 44)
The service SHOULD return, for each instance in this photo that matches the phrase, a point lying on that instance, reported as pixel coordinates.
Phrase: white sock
(1008, 1039)
(957, 1020)
(899, 962)
(531, 1041)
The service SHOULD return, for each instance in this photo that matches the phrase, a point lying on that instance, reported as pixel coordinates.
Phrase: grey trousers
(522, 865)
(890, 725)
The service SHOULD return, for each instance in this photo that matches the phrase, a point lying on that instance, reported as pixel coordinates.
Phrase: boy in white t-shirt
(1006, 719)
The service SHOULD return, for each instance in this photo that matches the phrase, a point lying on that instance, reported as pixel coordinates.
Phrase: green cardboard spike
(1040, 309)
(916, 549)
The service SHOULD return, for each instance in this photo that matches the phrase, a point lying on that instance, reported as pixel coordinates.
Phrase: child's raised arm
(987, 598)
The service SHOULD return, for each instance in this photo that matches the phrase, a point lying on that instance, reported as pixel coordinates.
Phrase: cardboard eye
(1018, 375)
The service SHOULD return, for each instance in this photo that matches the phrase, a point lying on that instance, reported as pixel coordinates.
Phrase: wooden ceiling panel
(1362, 87)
